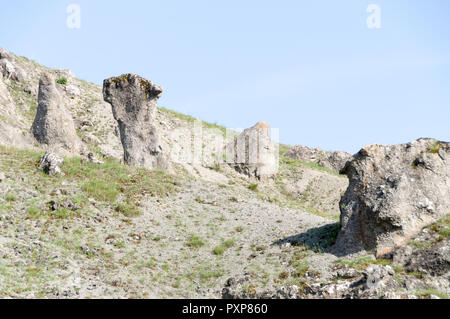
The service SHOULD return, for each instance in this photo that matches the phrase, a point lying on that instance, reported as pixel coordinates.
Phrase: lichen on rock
(394, 191)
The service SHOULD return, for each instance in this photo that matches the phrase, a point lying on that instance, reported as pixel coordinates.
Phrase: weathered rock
(335, 160)
(331, 160)
(378, 277)
(234, 289)
(8, 69)
(51, 163)
(53, 125)
(394, 191)
(133, 100)
(2, 177)
(253, 153)
(306, 154)
(428, 253)
(5, 55)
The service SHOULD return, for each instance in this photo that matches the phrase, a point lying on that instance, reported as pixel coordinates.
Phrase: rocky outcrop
(372, 282)
(331, 160)
(8, 69)
(53, 125)
(253, 153)
(394, 192)
(51, 163)
(428, 253)
(134, 102)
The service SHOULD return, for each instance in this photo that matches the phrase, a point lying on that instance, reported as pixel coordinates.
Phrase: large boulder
(394, 191)
(331, 160)
(134, 102)
(53, 125)
(253, 153)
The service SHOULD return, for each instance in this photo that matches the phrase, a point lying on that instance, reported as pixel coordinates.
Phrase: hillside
(198, 229)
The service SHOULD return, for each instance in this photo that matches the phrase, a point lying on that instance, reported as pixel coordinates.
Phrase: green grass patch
(429, 292)
(441, 227)
(220, 250)
(195, 241)
(10, 198)
(291, 162)
(128, 209)
(33, 212)
(363, 262)
(107, 181)
(435, 147)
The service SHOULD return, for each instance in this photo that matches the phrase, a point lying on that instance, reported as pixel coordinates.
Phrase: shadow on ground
(319, 239)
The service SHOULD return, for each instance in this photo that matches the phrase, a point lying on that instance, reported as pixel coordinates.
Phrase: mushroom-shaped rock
(53, 125)
(394, 192)
(133, 100)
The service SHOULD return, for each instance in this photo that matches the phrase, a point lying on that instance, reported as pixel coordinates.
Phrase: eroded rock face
(53, 125)
(394, 191)
(133, 100)
(7, 68)
(331, 160)
(253, 153)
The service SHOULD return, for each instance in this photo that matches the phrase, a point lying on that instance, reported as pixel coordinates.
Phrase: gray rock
(253, 153)
(2, 177)
(133, 100)
(5, 55)
(8, 69)
(68, 204)
(394, 191)
(53, 125)
(331, 160)
(433, 260)
(51, 163)
(306, 154)
(335, 160)
(378, 277)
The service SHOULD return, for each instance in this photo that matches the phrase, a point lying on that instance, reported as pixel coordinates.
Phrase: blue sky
(313, 68)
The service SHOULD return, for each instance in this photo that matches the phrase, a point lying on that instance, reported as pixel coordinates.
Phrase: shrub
(219, 250)
(62, 81)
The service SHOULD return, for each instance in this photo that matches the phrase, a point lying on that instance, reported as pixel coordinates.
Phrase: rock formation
(7, 68)
(253, 153)
(53, 125)
(51, 163)
(331, 160)
(394, 191)
(133, 100)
